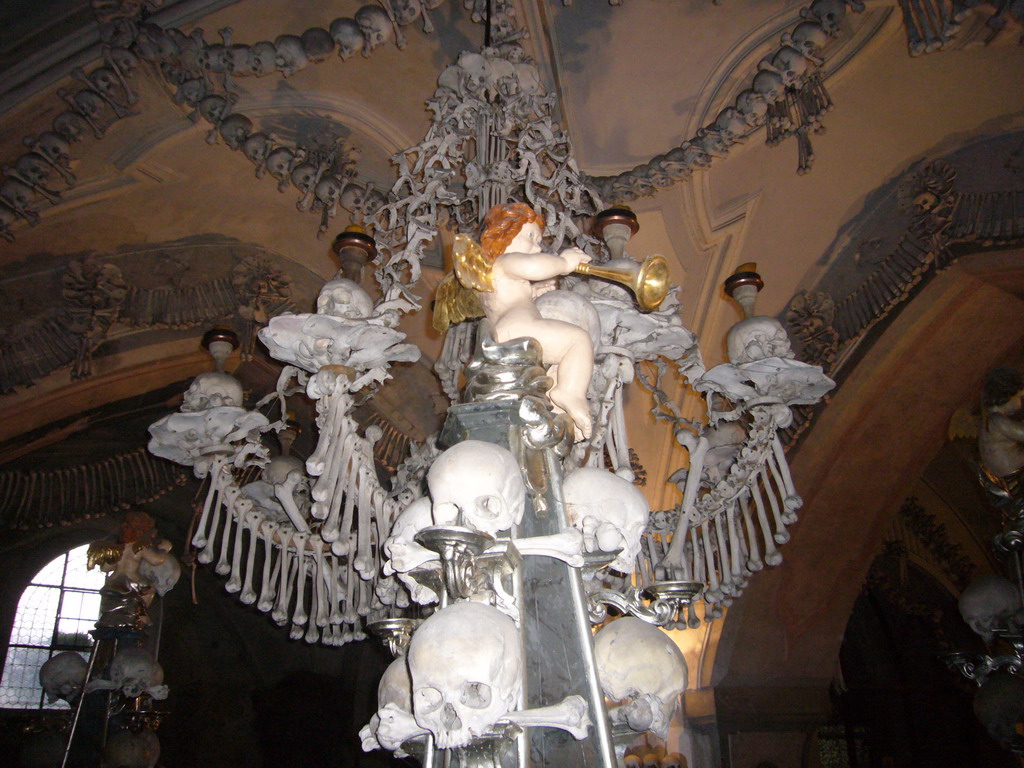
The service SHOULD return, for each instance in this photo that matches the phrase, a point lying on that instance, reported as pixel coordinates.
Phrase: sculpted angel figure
(500, 278)
(126, 594)
(1001, 437)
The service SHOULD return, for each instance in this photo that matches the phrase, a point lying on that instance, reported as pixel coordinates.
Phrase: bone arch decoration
(99, 303)
(941, 223)
(324, 175)
(44, 498)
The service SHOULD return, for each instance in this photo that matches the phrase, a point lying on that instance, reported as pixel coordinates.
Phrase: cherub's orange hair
(137, 526)
(501, 225)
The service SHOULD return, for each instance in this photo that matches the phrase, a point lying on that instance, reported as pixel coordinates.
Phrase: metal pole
(78, 703)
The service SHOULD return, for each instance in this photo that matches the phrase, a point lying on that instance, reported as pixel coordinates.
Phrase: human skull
(317, 43)
(731, 125)
(712, 142)
(406, 11)
(54, 147)
(770, 85)
(33, 168)
(752, 107)
(809, 38)
(89, 103)
(792, 65)
(639, 664)
(466, 663)
(257, 147)
(328, 192)
(278, 468)
(609, 511)
(163, 577)
(263, 58)
(348, 36)
(154, 44)
(235, 129)
(403, 552)
(291, 57)
(192, 91)
(999, 706)
(304, 177)
(125, 61)
(479, 485)
(7, 217)
(477, 71)
(657, 171)
(345, 299)
(16, 194)
(218, 58)
(394, 706)
(989, 603)
(213, 109)
(70, 126)
(279, 163)
(63, 675)
(106, 82)
(375, 25)
(126, 748)
(210, 390)
(757, 338)
(241, 59)
(829, 14)
(134, 672)
(695, 156)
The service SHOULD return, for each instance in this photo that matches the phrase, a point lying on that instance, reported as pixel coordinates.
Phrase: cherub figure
(126, 595)
(503, 275)
(1001, 437)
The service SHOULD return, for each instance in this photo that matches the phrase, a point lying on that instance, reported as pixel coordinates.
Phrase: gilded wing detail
(454, 303)
(457, 298)
(471, 265)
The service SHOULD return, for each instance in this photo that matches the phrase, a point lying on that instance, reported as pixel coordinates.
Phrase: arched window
(56, 611)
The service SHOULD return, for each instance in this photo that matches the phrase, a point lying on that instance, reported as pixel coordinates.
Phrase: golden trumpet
(648, 281)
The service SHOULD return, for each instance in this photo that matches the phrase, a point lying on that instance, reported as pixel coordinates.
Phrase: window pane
(78, 575)
(52, 574)
(74, 633)
(20, 688)
(36, 616)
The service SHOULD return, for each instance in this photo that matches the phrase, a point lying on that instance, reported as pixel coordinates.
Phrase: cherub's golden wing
(457, 298)
(963, 424)
(454, 303)
(471, 264)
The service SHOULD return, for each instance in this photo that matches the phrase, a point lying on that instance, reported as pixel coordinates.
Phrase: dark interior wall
(241, 692)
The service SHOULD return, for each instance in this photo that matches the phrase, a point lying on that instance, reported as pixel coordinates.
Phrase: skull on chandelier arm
(345, 299)
(466, 663)
(164, 576)
(403, 553)
(479, 485)
(393, 724)
(134, 672)
(62, 676)
(757, 338)
(639, 665)
(210, 390)
(609, 511)
(989, 603)
(999, 706)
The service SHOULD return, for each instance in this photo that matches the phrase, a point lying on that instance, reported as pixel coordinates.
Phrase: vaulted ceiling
(155, 198)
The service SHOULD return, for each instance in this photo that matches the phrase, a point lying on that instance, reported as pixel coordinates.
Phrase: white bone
(571, 714)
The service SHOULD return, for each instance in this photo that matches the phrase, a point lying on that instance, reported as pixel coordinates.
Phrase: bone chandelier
(502, 543)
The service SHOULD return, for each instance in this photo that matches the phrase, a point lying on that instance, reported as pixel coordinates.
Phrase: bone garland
(32, 499)
(241, 512)
(789, 66)
(232, 495)
(271, 566)
(252, 521)
(469, 161)
(280, 612)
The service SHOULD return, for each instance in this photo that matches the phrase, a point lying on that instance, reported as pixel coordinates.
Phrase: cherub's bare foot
(577, 408)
